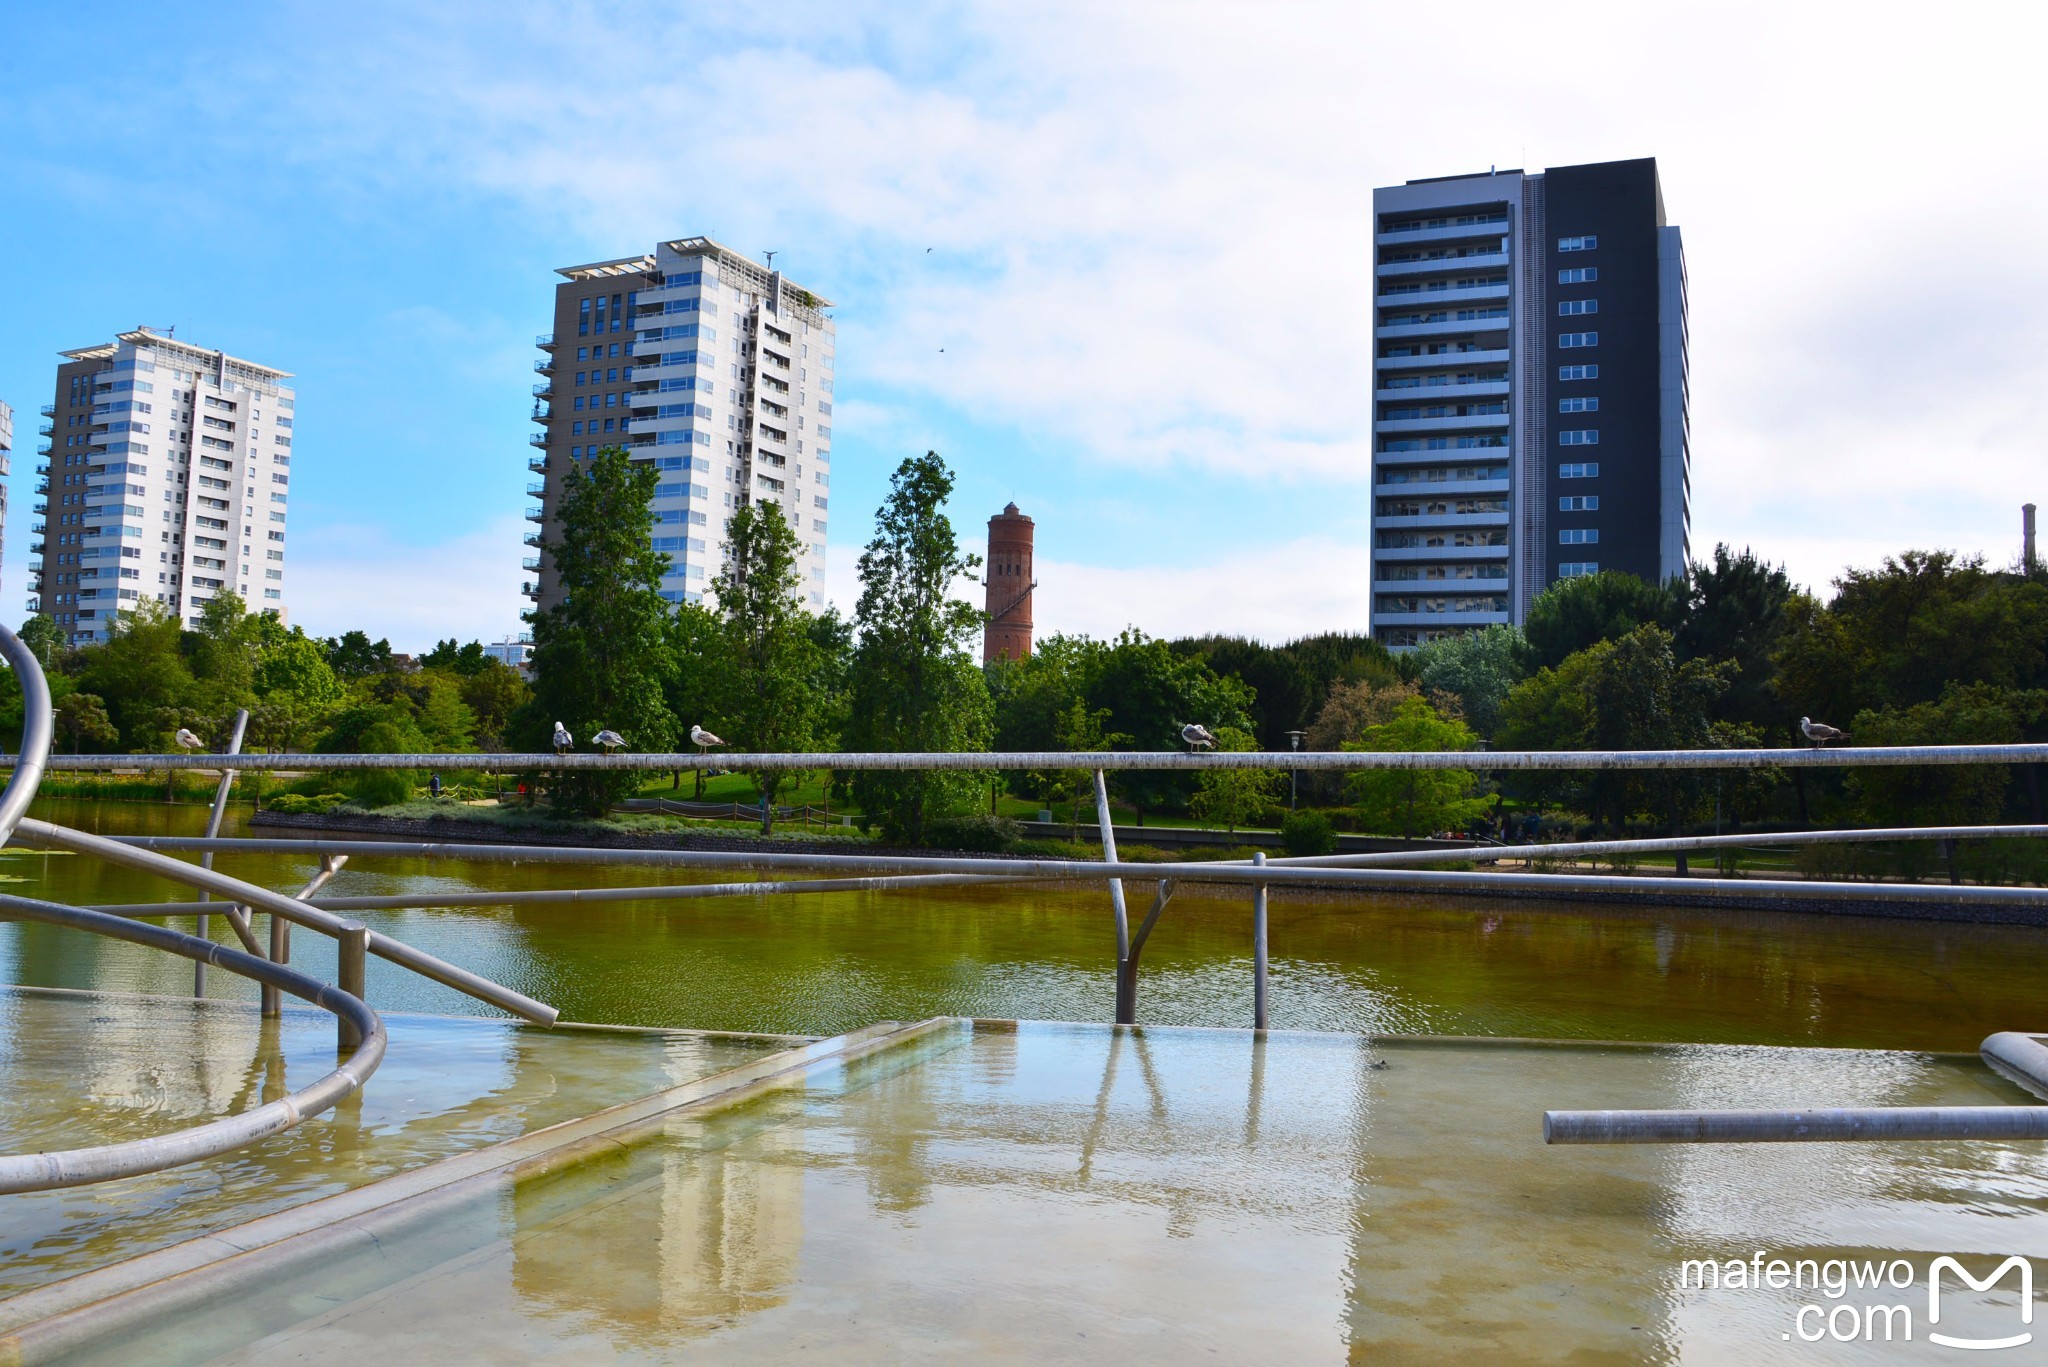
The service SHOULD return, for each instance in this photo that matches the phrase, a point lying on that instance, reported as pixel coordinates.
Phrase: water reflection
(826, 964)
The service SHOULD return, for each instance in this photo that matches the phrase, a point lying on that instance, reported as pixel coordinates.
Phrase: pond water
(1061, 1193)
(827, 963)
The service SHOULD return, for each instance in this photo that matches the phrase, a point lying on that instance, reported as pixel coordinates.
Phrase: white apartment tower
(712, 368)
(166, 476)
(6, 462)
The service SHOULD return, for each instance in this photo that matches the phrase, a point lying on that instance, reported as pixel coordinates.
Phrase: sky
(1112, 261)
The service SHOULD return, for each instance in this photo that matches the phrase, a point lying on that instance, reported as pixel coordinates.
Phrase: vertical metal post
(281, 929)
(354, 945)
(1125, 1007)
(220, 807)
(1259, 949)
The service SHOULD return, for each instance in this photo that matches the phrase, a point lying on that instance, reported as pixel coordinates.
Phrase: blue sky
(1148, 269)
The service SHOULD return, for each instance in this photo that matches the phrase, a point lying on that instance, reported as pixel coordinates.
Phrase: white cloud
(358, 578)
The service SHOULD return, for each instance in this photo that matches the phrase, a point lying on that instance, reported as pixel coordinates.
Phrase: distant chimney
(2027, 559)
(1007, 576)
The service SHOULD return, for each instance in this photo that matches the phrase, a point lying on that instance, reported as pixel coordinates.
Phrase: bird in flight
(610, 740)
(188, 740)
(1819, 732)
(701, 738)
(1197, 736)
(563, 740)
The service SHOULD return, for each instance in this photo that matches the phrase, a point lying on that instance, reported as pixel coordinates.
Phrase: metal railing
(359, 1031)
(1108, 761)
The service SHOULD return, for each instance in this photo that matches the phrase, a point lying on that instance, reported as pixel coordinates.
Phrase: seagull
(702, 738)
(563, 740)
(1197, 736)
(188, 740)
(1819, 732)
(927, 251)
(611, 740)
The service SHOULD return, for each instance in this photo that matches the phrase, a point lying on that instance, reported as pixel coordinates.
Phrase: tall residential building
(6, 465)
(1529, 388)
(167, 475)
(712, 368)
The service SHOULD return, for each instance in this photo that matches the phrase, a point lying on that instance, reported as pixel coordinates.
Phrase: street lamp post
(1293, 775)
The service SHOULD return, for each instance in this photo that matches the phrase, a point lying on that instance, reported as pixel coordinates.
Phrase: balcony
(1439, 359)
(544, 366)
(1445, 389)
(530, 590)
(1450, 423)
(538, 464)
(544, 390)
(531, 564)
(1444, 327)
(1450, 232)
(37, 528)
(40, 507)
(536, 515)
(48, 410)
(525, 638)
(1463, 295)
(542, 412)
(533, 539)
(537, 490)
(1443, 264)
(539, 439)
(546, 341)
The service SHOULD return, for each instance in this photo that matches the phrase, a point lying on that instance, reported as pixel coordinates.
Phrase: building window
(1578, 536)
(1578, 405)
(1567, 307)
(1578, 372)
(1579, 503)
(1584, 470)
(1572, 569)
(1578, 244)
(1577, 339)
(1585, 436)
(1578, 275)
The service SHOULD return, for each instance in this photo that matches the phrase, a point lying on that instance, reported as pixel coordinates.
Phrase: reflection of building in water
(688, 1241)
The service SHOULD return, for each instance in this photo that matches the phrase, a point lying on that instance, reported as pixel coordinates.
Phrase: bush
(1056, 849)
(1308, 833)
(299, 803)
(977, 834)
(380, 787)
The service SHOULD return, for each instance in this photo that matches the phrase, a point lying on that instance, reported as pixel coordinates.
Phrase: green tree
(600, 654)
(1575, 613)
(1948, 794)
(463, 661)
(1416, 801)
(1150, 692)
(140, 670)
(915, 685)
(697, 683)
(1477, 668)
(83, 719)
(1233, 797)
(493, 695)
(1734, 609)
(353, 655)
(41, 634)
(769, 696)
(295, 689)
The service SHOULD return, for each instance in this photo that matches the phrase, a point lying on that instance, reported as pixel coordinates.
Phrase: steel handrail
(38, 727)
(1165, 761)
(106, 1162)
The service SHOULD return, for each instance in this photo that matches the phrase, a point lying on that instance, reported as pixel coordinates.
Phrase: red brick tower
(1007, 576)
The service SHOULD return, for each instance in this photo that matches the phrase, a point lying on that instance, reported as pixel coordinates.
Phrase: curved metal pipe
(38, 726)
(1340, 761)
(1493, 854)
(278, 904)
(104, 1162)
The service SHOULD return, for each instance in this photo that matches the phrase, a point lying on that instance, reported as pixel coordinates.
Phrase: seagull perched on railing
(563, 740)
(1819, 732)
(188, 740)
(610, 740)
(1197, 736)
(702, 739)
